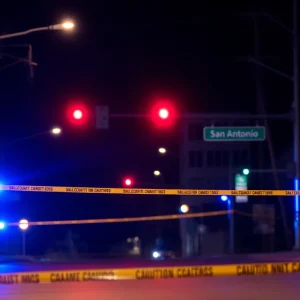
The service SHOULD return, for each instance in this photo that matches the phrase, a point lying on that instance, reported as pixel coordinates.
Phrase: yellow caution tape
(119, 220)
(143, 191)
(150, 273)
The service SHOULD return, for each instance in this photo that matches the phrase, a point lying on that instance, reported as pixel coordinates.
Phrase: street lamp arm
(278, 72)
(63, 26)
(11, 35)
(282, 25)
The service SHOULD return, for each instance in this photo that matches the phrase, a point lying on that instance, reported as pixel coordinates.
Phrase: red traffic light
(128, 182)
(78, 114)
(163, 114)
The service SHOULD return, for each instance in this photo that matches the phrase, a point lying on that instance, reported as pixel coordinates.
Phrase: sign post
(234, 134)
(241, 184)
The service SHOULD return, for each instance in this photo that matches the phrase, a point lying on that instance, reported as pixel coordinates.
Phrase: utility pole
(262, 110)
(296, 123)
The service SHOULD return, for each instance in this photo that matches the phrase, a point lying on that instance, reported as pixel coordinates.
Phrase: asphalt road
(226, 288)
(11, 266)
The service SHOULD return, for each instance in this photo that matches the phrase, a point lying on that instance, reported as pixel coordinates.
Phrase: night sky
(123, 54)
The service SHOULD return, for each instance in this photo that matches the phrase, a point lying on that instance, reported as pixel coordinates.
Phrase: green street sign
(241, 180)
(231, 134)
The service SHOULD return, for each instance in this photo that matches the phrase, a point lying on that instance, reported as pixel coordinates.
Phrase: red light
(77, 114)
(163, 114)
(128, 182)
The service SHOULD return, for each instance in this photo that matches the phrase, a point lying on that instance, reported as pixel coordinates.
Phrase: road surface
(275, 287)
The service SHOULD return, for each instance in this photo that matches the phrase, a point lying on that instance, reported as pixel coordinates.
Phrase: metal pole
(296, 125)
(23, 243)
(230, 203)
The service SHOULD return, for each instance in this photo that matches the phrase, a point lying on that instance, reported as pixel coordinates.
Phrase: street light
(23, 225)
(56, 130)
(156, 173)
(184, 208)
(67, 26)
(246, 171)
(162, 150)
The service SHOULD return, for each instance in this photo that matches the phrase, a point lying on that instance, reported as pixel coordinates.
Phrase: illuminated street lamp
(56, 130)
(184, 208)
(162, 150)
(67, 26)
(23, 225)
(246, 171)
(156, 173)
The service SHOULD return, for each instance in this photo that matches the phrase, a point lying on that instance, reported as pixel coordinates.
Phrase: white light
(156, 173)
(184, 208)
(68, 25)
(162, 150)
(128, 182)
(163, 113)
(56, 130)
(224, 198)
(2, 225)
(23, 224)
(155, 254)
(246, 171)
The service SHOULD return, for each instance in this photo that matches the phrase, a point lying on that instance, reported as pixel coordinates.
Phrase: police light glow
(2, 225)
(224, 198)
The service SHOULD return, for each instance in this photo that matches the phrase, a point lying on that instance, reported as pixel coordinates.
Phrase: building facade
(208, 165)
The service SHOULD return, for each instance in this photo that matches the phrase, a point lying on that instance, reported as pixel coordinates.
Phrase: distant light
(162, 150)
(163, 113)
(2, 225)
(155, 254)
(224, 198)
(246, 171)
(156, 173)
(128, 181)
(23, 224)
(56, 130)
(184, 208)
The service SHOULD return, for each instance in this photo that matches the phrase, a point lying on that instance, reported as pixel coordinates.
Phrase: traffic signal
(78, 114)
(128, 182)
(163, 114)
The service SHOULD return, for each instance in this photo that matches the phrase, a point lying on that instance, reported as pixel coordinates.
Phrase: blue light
(2, 225)
(224, 198)
(296, 186)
